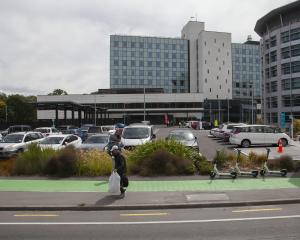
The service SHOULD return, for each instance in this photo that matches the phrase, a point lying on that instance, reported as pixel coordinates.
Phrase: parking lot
(209, 145)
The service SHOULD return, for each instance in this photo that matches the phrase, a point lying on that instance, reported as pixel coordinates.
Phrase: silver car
(98, 141)
(18, 142)
(185, 137)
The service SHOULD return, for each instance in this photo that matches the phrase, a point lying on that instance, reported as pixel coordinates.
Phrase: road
(260, 222)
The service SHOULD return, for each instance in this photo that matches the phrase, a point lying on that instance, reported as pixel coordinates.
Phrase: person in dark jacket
(119, 165)
(114, 139)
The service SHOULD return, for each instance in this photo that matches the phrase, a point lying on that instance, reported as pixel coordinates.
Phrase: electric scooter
(216, 173)
(266, 171)
(239, 172)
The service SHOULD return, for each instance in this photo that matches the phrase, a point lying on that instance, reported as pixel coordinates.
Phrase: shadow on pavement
(108, 200)
(101, 183)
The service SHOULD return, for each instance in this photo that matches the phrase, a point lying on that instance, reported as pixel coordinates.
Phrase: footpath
(145, 193)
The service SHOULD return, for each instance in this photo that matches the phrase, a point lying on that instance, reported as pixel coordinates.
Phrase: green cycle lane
(148, 186)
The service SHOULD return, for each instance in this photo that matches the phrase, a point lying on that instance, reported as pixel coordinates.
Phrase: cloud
(65, 44)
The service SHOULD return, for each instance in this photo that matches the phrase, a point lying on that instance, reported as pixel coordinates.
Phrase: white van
(258, 135)
(137, 134)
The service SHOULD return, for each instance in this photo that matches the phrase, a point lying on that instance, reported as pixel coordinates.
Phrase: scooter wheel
(233, 175)
(254, 174)
(262, 172)
(212, 175)
(283, 172)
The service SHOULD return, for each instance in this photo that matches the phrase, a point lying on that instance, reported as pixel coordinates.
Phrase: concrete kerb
(152, 206)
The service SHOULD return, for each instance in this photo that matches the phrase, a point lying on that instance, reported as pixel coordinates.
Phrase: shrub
(7, 166)
(283, 162)
(221, 158)
(33, 160)
(202, 166)
(63, 164)
(93, 163)
(161, 158)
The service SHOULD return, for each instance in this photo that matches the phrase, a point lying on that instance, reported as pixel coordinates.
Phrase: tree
(58, 92)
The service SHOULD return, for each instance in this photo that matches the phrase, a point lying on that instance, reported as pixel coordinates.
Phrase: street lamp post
(144, 104)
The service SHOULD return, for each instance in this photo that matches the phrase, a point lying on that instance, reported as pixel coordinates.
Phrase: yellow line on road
(143, 214)
(257, 210)
(36, 215)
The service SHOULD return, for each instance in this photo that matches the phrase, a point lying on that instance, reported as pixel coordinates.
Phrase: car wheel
(284, 142)
(245, 143)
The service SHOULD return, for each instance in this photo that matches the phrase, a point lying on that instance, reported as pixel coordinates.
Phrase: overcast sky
(48, 44)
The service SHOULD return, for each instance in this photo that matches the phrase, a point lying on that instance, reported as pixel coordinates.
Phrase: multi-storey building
(280, 56)
(151, 62)
(246, 73)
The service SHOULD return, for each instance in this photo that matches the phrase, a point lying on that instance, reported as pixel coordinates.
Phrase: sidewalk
(24, 194)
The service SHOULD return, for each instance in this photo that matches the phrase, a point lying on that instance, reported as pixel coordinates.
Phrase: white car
(108, 129)
(46, 131)
(137, 134)
(60, 141)
(18, 142)
(226, 128)
(214, 131)
(248, 135)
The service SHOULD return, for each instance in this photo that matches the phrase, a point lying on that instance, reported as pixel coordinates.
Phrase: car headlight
(10, 149)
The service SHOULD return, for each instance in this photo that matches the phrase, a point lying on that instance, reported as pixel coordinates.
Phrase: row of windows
(239, 51)
(293, 34)
(292, 51)
(245, 68)
(149, 45)
(165, 64)
(238, 76)
(292, 67)
(148, 82)
(133, 72)
(153, 105)
(271, 87)
(142, 54)
(246, 60)
(286, 83)
(287, 101)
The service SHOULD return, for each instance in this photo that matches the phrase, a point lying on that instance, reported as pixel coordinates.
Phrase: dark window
(273, 71)
(124, 44)
(273, 56)
(132, 44)
(285, 37)
(285, 52)
(295, 34)
(295, 50)
(273, 41)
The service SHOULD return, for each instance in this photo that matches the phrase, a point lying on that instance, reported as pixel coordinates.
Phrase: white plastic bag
(114, 183)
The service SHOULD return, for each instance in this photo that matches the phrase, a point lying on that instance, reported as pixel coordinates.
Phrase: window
(132, 44)
(157, 63)
(149, 45)
(273, 41)
(285, 84)
(150, 73)
(149, 54)
(285, 68)
(295, 50)
(274, 86)
(273, 56)
(174, 55)
(124, 44)
(207, 70)
(285, 52)
(132, 63)
(285, 37)
(166, 64)
(115, 43)
(166, 55)
(124, 63)
(116, 63)
(274, 103)
(174, 64)
(141, 63)
(273, 71)
(296, 67)
(295, 34)
(141, 45)
(267, 59)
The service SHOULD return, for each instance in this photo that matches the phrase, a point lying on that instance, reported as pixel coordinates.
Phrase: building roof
(286, 12)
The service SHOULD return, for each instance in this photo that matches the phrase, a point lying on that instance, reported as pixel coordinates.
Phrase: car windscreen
(94, 130)
(136, 133)
(97, 139)
(185, 136)
(15, 138)
(42, 130)
(106, 129)
(52, 140)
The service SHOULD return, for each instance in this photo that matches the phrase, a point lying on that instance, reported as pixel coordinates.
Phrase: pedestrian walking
(119, 165)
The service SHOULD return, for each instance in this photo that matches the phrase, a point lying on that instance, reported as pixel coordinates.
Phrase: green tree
(296, 126)
(58, 92)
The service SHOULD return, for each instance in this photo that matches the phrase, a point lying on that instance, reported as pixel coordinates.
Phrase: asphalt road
(260, 222)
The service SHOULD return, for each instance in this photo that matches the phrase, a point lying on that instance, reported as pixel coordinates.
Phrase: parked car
(227, 127)
(94, 130)
(82, 132)
(248, 135)
(137, 134)
(228, 131)
(108, 129)
(60, 141)
(46, 131)
(214, 131)
(19, 128)
(64, 128)
(18, 142)
(98, 141)
(185, 137)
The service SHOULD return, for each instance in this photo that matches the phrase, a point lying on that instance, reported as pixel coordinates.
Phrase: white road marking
(36, 215)
(153, 222)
